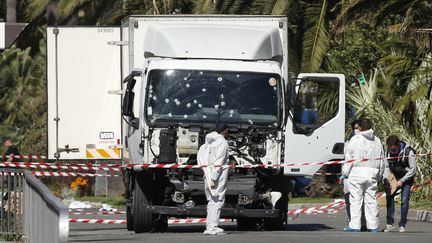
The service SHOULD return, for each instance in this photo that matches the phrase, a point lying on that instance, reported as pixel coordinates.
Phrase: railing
(11, 211)
(45, 217)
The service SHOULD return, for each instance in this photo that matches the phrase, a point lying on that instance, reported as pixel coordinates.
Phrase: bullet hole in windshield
(195, 101)
(187, 85)
(219, 79)
(250, 121)
(201, 73)
(238, 75)
(199, 105)
(185, 116)
(204, 116)
(149, 110)
(169, 114)
(154, 97)
(216, 107)
(204, 90)
(222, 96)
(167, 101)
(223, 103)
(188, 105)
(177, 102)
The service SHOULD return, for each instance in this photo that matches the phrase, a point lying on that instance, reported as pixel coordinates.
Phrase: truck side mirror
(128, 99)
(127, 108)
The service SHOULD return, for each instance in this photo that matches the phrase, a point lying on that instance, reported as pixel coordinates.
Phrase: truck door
(316, 125)
(84, 120)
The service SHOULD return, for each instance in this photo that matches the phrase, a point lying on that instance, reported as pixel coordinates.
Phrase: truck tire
(129, 218)
(247, 223)
(142, 220)
(278, 223)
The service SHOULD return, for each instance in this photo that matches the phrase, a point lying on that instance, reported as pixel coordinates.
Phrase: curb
(421, 215)
(414, 215)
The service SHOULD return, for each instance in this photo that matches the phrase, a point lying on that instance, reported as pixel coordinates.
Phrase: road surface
(306, 228)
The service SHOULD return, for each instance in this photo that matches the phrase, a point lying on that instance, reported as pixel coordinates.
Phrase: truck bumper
(202, 212)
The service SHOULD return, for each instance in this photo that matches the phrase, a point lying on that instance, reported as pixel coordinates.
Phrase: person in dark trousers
(402, 164)
(11, 151)
(355, 126)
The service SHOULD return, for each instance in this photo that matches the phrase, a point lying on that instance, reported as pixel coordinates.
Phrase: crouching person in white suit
(214, 154)
(363, 176)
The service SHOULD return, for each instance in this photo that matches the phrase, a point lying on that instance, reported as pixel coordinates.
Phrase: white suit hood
(368, 134)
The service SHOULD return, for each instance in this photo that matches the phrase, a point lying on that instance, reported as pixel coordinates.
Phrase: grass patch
(423, 204)
(297, 200)
(113, 201)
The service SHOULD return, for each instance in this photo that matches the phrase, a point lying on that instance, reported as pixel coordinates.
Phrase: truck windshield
(202, 96)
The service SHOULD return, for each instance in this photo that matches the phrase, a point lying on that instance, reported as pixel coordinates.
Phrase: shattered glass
(233, 97)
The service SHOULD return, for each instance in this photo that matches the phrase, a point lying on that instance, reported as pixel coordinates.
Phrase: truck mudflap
(202, 212)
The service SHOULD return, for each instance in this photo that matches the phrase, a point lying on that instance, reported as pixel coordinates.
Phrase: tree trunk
(11, 11)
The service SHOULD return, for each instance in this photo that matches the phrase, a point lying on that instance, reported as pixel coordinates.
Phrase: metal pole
(2, 212)
(56, 119)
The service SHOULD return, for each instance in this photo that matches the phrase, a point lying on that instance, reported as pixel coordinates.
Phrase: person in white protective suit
(214, 153)
(363, 176)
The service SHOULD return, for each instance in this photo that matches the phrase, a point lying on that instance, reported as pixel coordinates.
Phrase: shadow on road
(307, 227)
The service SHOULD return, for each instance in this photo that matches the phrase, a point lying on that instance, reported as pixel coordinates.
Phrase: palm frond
(36, 8)
(68, 7)
(204, 7)
(316, 40)
(281, 7)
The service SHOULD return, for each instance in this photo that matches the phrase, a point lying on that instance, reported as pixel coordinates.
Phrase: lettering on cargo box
(106, 135)
(90, 146)
(105, 30)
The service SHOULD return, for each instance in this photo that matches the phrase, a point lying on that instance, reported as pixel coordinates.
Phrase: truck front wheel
(142, 219)
(247, 223)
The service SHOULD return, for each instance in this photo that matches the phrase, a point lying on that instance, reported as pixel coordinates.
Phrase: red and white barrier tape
(37, 157)
(98, 221)
(118, 167)
(69, 174)
(122, 221)
(97, 213)
(56, 167)
(327, 174)
(312, 210)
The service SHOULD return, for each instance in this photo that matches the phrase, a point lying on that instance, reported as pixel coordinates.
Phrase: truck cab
(181, 76)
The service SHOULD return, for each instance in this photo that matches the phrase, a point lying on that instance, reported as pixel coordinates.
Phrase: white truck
(191, 73)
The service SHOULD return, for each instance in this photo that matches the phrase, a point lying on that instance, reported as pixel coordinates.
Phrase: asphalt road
(306, 228)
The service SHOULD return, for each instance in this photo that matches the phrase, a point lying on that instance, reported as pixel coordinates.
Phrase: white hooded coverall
(214, 152)
(363, 177)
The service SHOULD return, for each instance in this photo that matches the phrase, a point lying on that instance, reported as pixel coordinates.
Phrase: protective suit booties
(214, 153)
(363, 177)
